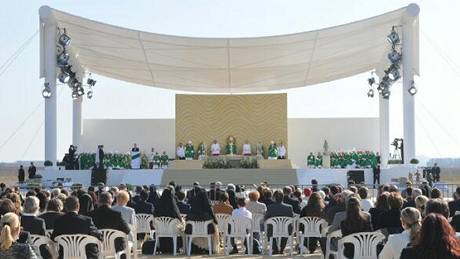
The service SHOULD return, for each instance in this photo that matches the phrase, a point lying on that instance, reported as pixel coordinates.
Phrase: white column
(384, 127)
(49, 57)
(77, 121)
(408, 76)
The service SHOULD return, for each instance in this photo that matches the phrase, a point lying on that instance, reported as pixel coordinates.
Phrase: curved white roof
(235, 65)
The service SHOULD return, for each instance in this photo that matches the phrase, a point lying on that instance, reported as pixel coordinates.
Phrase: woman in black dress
(167, 207)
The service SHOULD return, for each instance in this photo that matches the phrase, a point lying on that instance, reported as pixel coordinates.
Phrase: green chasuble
(164, 159)
(311, 160)
(189, 151)
(230, 149)
(157, 159)
(272, 151)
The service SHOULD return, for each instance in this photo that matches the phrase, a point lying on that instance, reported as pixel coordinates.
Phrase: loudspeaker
(98, 175)
(357, 176)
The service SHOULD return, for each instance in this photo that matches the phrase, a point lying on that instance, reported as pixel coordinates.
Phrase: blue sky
(437, 123)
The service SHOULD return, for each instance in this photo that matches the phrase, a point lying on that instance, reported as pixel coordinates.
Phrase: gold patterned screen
(203, 118)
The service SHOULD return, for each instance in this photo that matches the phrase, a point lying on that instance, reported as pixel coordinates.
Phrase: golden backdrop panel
(203, 118)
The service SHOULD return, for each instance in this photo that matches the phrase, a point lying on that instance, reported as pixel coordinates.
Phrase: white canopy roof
(234, 65)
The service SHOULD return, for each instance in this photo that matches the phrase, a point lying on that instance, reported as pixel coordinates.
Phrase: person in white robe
(247, 149)
(215, 148)
(281, 151)
(180, 152)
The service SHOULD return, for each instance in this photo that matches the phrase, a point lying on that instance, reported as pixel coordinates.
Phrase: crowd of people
(414, 220)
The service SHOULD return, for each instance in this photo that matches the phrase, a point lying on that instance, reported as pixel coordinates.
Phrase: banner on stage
(135, 159)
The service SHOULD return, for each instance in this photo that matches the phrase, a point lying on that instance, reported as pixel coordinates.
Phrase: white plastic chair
(312, 227)
(108, 243)
(239, 228)
(143, 224)
(280, 227)
(73, 246)
(365, 244)
(36, 241)
(222, 224)
(199, 229)
(166, 227)
(335, 234)
(48, 232)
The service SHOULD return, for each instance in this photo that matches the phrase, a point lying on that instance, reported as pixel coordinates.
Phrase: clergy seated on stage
(247, 149)
(272, 151)
(189, 151)
(180, 152)
(215, 148)
(230, 149)
(164, 160)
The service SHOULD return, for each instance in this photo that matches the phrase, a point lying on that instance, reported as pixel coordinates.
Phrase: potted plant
(48, 163)
(414, 161)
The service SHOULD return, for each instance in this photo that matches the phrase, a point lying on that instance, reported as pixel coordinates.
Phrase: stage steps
(235, 176)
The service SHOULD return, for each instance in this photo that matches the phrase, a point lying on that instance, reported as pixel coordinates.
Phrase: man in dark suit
(455, 204)
(32, 171)
(376, 173)
(33, 224)
(53, 211)
(142, 206)
(71, 223)
(184, 208)
(106, 218)
(436, 172)
(288, 200)
(100, 154)
(278, 209)
(135, 148)
(21, 174)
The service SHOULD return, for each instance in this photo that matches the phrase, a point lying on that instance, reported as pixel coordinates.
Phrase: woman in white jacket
(410, 219)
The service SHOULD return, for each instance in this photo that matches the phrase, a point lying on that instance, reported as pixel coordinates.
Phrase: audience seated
(223, 206)
(254, 206)
(184, 208)
(420, 203)
(455, 204)
(72, 223)
(278, 209)
(295, 204)
(366, 203)
(355, 221)
(410, 219)
(53, 211)
(381, 206)
(9, 233)
(390, 220)
(314, 208)
(240, 212)
(436, 240)
(141, 204)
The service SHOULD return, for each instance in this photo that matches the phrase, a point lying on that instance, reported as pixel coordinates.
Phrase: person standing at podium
(135, 157)
(215, 148)
(180, 152)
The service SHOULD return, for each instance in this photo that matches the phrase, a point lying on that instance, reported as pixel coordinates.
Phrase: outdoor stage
(186, 177)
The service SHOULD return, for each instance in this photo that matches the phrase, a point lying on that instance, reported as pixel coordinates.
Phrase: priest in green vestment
(189, 151)
(164, 160)
(311, 160)
(272, 151)
(157, 160)
(230, 149)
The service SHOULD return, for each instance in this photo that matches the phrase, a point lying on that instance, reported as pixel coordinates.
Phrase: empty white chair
(365, 244)
(143, 222)
(280, 229)
(108, 243)
(335, 234)
(166, 227)
(312, 227)
(239, 228)
(73, 246)
(222, 224)
(199, 229)
(36, 241)
(257, 227)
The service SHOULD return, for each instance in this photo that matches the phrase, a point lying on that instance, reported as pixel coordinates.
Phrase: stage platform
(186, 177)
(198, 164)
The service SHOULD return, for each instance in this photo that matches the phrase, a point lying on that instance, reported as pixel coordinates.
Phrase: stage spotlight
(370, 93)
(63, 59)
(393, 37)
(386, 94)
(89, 94)
(393, 72)
(412, 90)
(64, 39)
(74, 95)
(80, 91)
(371, 81)
(46, 93)
(394, 57)
(91, 82)
(63, 77)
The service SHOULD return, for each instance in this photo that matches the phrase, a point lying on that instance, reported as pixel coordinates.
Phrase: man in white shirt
(215, 148)
(247, 149)
(281, 151)
(180, 152)
(241, 212)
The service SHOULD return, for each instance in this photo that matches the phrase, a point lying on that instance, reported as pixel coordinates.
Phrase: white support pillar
(384, 125)
(408, 77)
(77, 121)
(49, 31)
